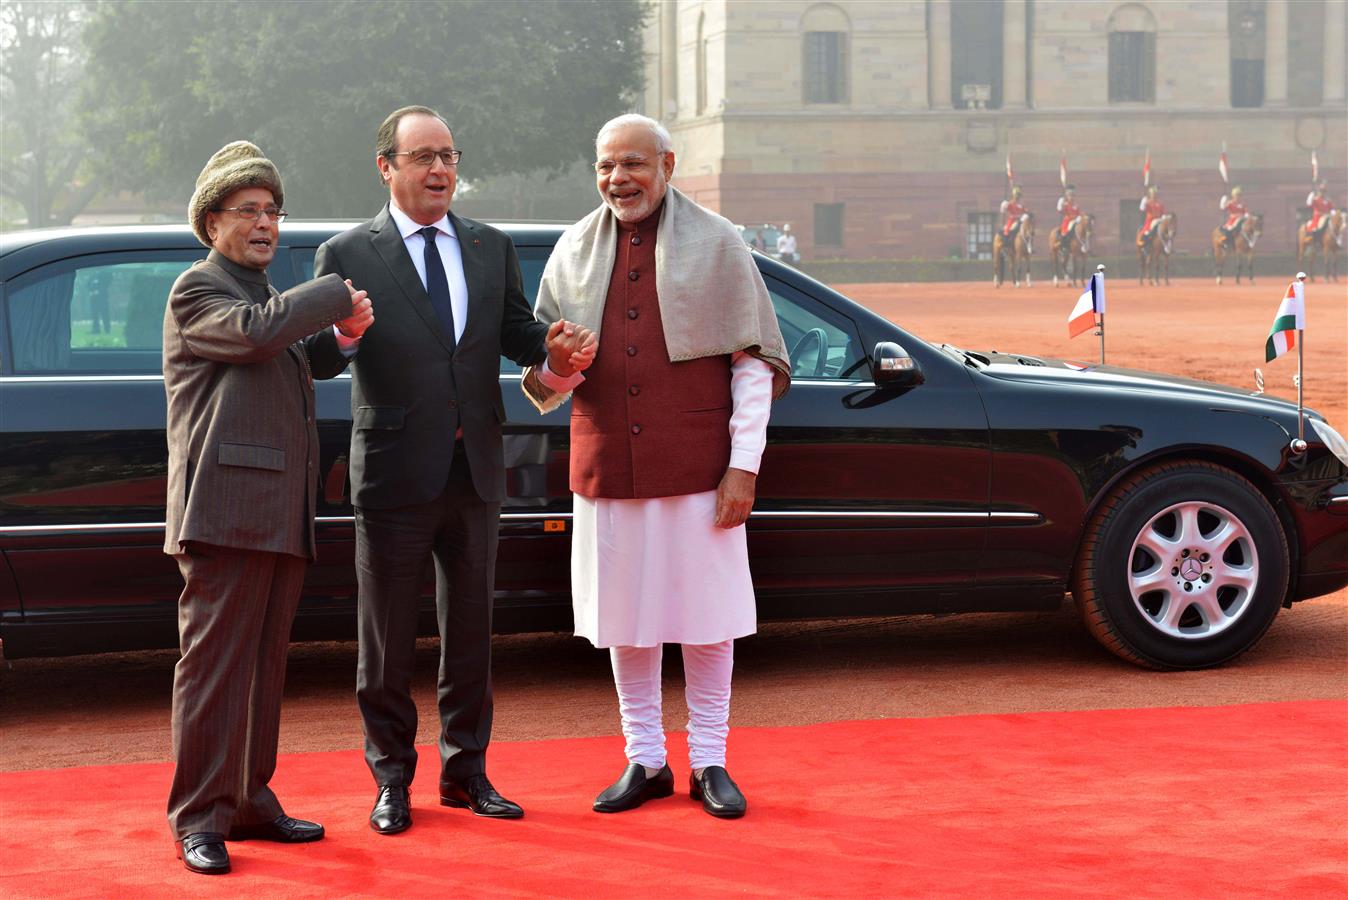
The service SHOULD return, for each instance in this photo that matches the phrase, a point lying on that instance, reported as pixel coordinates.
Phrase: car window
(100, 314)
(822, 343)
(532, 260)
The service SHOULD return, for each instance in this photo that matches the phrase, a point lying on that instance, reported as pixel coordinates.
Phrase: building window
(979, 230)
(828, 224)
(1245, 28)
(825, 78)
(1132, 55)
(976, 54)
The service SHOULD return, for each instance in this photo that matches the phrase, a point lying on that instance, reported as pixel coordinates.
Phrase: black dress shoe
(633, 788)
(282, 829)
(204, 852)
(392, 811)
(719, 795)
(476, 793)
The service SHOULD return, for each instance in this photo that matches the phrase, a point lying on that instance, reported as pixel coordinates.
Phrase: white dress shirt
(451, 257)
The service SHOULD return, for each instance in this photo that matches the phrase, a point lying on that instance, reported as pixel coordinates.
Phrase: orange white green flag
(1290, 319)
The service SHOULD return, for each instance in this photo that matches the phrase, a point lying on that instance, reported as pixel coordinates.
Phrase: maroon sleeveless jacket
(641, 426)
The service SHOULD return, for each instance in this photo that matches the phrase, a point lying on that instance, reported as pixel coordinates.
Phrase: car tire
(1183, 566)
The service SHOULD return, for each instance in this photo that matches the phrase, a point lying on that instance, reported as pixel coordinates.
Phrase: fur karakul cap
(237, 165)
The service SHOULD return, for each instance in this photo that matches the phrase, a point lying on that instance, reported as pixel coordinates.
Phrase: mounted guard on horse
(1070, 241)
(1155, 237)
(1016, 239)
(1323, 232)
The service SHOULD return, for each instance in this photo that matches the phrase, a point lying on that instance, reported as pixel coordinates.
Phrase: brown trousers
(234, 620)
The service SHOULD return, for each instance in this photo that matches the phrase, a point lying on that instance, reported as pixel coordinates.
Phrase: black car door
(865, 490)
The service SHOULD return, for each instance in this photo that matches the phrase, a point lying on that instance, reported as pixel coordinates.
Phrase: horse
(1332, 245)
(1242, 245)
(1020, 252)
(1328, 245)
(1154, 254)
(1069, 251)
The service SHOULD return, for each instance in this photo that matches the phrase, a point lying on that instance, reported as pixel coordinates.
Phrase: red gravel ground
(114, 708)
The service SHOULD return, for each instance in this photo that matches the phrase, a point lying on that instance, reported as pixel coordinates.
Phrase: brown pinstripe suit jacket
(243, 447)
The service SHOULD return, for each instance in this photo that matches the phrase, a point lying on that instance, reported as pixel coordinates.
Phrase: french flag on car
(1090, 304)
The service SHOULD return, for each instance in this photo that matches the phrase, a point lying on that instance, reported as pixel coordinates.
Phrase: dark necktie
(437, 285)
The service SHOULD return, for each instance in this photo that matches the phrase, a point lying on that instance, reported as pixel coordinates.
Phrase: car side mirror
(891, 366)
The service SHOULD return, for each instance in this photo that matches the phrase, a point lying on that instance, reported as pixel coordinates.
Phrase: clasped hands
(571, 348)
(362, 313)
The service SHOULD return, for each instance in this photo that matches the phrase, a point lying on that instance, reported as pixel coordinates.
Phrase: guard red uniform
(1321, 207)
(1070, 211)
(1154, 209)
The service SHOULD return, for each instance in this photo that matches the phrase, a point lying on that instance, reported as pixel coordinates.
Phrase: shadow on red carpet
(1192, 802)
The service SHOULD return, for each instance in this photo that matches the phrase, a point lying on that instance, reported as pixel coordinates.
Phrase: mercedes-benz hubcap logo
(1190, 569)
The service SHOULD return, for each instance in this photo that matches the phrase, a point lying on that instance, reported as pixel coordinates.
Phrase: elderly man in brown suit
(243, 458)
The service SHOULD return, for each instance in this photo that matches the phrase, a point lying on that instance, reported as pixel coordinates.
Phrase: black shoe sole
(712, 811)
(646, 793)
(460, 804)
(396, 829)
(223, 870)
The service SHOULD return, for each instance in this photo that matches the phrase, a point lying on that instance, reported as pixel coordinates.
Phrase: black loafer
(476, 793)
(633, 788)
(204, 852)
(392, 811)
(720, 796)
(282, 829)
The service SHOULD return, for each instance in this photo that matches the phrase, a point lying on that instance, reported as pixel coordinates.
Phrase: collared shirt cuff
(745, 459)
(554, 382)
(348, 345)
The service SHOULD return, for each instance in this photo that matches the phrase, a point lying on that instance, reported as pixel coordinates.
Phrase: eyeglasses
(426, 158)
(250, 211)
(633, 164)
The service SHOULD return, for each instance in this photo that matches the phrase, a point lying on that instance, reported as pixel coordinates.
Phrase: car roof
(127, 237)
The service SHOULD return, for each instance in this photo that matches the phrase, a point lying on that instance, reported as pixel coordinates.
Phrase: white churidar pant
(654, 571)
(707, 670)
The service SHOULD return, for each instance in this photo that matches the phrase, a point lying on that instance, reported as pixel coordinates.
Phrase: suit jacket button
(636, 429)
(453, 404)
(632, 314)
(636, 239)
(634, 390)
(633, 275)
(631, 351)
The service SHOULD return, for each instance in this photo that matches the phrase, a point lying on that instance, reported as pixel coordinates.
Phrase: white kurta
(655, 571)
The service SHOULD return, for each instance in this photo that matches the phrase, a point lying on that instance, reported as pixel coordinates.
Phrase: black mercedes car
(900, 476)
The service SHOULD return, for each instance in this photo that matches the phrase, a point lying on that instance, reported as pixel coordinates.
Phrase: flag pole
(1299, 445)
(1101, 269)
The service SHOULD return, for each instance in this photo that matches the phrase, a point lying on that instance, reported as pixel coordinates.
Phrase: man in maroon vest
(667, 428)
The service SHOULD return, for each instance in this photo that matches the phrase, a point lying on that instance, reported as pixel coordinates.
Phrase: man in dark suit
(427, 468)
(243, 459)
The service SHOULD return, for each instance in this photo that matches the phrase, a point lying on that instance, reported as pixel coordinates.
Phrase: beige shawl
(712, 299)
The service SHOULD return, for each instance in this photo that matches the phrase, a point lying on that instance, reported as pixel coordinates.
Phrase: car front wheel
(1183, 566)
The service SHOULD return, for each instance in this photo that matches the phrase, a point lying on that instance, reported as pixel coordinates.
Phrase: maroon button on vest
(670, 436)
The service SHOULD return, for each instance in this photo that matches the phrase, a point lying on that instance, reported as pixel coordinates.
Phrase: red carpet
(1204, 802)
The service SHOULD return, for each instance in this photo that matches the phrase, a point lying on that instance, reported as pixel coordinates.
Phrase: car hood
(1048, 370)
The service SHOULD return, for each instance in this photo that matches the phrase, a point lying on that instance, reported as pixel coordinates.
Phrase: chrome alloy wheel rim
(1193, 570)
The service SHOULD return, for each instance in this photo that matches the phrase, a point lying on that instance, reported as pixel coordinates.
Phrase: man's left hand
(734, 498)
(571, 347)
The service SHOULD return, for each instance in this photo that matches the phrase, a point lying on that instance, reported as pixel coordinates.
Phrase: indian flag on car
(1290, 319)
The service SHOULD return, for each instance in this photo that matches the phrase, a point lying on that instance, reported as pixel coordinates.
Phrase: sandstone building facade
(881, 129)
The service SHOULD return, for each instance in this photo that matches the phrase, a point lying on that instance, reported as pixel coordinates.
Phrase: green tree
(41, 149)
(524, 86)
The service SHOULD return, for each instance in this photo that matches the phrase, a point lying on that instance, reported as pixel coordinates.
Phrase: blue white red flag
(1090, 304)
